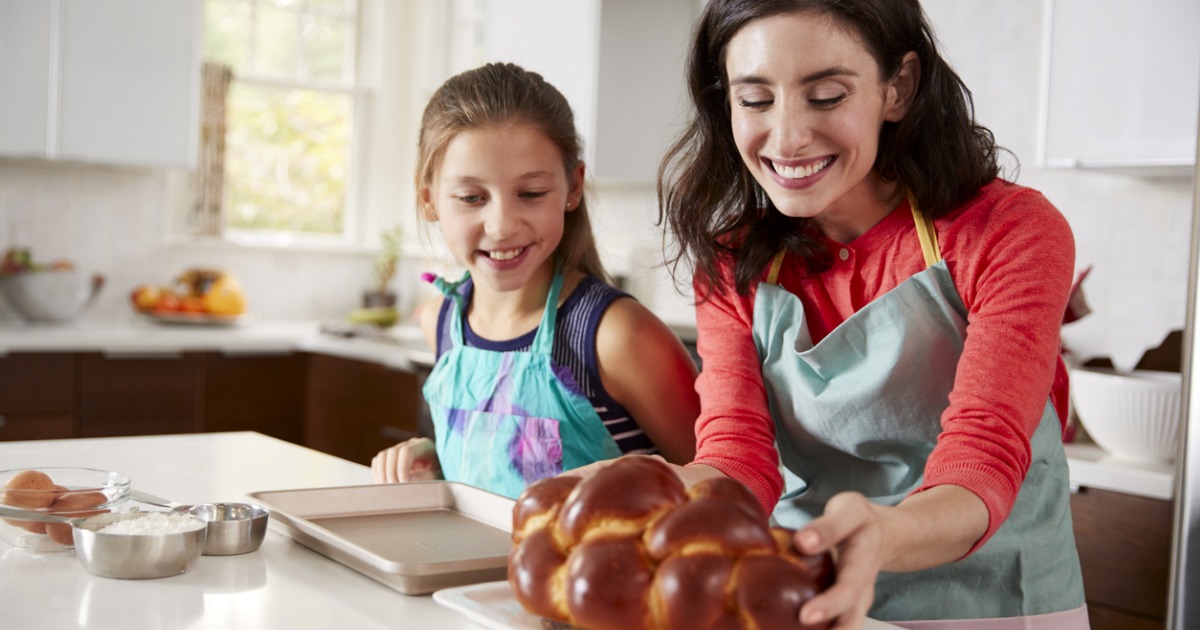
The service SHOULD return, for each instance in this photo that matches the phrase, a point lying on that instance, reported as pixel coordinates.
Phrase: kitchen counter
(282, 585)
(403, 347)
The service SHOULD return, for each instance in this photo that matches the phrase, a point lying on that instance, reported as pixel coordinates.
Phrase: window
(292, 113)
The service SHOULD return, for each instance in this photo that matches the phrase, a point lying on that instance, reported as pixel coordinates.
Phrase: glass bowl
(66, 492)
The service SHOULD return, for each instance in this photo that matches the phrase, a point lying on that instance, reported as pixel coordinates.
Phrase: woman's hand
(411, 460)
(926, 529)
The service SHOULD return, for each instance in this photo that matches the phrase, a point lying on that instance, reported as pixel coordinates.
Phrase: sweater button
(844, 254)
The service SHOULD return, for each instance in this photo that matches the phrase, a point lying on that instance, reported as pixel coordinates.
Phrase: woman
(878, 315)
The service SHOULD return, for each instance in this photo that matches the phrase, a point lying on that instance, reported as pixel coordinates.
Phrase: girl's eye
(469, 199)
(533, 194)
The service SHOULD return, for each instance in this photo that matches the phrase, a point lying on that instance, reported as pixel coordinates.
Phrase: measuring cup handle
(146, 497)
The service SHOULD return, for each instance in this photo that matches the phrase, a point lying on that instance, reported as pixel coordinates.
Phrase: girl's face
(807, 104)
(500, 195)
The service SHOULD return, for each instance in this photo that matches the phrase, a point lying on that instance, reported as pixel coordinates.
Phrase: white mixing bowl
(1132, 415)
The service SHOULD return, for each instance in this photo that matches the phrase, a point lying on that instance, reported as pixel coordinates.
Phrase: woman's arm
(645, 367)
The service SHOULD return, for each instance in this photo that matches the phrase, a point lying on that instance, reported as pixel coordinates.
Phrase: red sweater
(1011, 256)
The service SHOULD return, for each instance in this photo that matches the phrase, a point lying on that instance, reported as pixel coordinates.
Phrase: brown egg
(73, 505)
(30, 490)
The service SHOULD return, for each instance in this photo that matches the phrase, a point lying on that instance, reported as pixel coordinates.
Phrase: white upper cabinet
(1122, 89)
(620, 63)
(103, 81)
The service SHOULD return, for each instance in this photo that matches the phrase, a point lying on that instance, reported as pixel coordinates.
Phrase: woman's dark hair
(712, 205)
(500, 94)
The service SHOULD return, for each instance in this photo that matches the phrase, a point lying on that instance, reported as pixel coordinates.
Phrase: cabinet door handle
(3, 421)
(395, 434)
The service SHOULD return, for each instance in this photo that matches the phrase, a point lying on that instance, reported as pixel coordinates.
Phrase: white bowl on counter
(58, 295)
(1134, 415)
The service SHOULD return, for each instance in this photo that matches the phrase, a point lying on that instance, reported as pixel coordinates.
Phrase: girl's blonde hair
(498, 94)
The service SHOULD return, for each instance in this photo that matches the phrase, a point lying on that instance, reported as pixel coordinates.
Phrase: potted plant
(381, 294)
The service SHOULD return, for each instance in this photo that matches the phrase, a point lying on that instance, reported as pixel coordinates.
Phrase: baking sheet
(493, 605)
(415, 538)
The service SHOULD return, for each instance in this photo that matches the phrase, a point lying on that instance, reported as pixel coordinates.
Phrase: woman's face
(500, 196)
(807, 103)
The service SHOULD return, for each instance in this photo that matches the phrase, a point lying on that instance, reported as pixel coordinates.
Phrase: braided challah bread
(630, 547)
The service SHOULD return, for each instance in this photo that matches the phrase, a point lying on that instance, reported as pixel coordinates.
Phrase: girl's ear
(575, 190)
(903, 88)
(428, 212)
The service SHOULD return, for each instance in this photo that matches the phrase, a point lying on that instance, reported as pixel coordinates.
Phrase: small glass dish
(71, 493)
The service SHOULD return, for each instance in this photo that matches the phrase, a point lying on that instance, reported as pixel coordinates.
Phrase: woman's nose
(792, 130)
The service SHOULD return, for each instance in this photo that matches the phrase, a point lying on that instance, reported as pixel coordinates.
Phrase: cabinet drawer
(1124, 544)
(140, 395)
(263, 393)
(36, 426)
(37, 383)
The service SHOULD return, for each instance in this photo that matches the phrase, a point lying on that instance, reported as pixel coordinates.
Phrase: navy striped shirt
(574, 349)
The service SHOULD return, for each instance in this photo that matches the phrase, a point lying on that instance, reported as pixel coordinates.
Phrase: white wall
(1134, 232)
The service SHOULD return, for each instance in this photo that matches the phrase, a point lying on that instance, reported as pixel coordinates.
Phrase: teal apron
(503, 420)
(861, 410)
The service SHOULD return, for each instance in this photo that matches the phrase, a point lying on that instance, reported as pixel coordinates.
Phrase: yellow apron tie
(927, 235)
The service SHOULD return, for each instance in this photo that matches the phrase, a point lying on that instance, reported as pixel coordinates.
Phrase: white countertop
(401, 346)
(282, 585)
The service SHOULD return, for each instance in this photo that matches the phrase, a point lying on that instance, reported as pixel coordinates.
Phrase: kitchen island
(282, 585)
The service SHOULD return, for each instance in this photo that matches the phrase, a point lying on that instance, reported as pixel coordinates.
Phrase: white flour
(154, 523)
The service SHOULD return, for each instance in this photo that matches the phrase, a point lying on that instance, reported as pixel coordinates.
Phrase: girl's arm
(645, 367)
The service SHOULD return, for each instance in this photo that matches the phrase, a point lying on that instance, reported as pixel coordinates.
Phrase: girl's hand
(411, 460)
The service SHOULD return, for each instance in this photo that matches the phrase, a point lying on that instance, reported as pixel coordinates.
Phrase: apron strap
(449, 289)
(925, 232)
(543, 341)
(776, 265)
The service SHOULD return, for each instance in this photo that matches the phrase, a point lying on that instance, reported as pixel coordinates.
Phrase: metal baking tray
(414, 537)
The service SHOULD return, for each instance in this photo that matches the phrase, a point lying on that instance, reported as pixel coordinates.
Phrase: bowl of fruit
(46, 292)
(197, 296)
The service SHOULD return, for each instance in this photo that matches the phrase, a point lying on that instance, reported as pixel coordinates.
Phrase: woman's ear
(575, 190)
(902, 89)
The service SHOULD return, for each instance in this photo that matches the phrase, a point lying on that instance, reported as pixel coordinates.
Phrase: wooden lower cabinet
(356, 408)
(1124, 544)
(37, 396)
(256, 392)
(140, 394)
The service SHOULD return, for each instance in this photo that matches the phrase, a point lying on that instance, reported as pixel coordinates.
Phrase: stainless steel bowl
(127, 556)
(233, 528)
(135, 556)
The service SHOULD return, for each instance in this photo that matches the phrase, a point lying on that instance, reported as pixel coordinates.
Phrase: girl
(542, 367)
(878, 312)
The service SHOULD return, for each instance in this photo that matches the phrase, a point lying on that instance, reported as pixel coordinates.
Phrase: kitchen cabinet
(607, 57)
(262, 392)
(1124, 544)
(1122, 85)
(37, 396)
(103, 81)
(140, 393)
(356, 408)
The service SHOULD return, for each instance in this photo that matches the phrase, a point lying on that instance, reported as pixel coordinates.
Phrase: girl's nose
(501, 220)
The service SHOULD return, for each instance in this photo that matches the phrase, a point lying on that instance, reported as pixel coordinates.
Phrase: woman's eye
(749, 103)
(827, 102)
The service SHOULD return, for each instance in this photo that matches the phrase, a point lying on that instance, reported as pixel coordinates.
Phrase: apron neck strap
(926, 233)
(543, 341)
